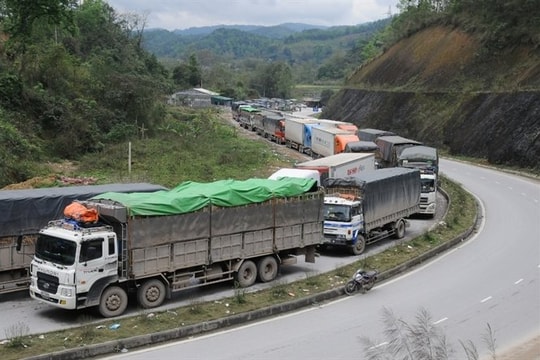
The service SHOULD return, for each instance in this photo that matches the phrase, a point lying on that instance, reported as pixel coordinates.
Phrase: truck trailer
(361, 146)
(340, 165)
(372, 134)
(296, 173)
(370, 207)
(390, 147)
(343, 125)
(26, 211)
(193, 235)
(298, 133)
(327, 140)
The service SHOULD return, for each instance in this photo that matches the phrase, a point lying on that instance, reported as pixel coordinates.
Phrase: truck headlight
(66, 292)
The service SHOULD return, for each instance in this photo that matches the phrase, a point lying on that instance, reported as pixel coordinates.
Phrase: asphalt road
(494, 279)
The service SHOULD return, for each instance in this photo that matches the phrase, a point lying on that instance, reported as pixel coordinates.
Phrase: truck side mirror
(19, 243)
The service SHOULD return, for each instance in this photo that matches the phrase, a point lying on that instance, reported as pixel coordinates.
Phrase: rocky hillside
(443, 87)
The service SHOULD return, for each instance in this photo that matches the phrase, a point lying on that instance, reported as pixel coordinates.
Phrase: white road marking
(440, 321)
(486, 299)
(379, 345)
(510, 188)
(517, 282)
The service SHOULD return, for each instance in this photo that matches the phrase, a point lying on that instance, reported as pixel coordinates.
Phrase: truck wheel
(246, 274)
(151, 294)
(267, 268)
(113, 302)
(400, 229)
(359, 246)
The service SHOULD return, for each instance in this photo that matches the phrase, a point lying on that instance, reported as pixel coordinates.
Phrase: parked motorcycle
(361, 281)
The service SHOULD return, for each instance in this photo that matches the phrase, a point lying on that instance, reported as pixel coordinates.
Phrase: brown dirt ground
(528, 350)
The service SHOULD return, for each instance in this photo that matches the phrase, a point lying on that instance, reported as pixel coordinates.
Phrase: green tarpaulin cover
(191, 196)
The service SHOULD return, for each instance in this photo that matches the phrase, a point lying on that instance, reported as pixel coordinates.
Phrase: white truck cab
(428, 193)
(72, 265)
(343, 222)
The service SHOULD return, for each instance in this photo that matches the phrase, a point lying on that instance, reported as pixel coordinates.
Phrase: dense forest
(72, 77)
(76, 76)
(315, 55)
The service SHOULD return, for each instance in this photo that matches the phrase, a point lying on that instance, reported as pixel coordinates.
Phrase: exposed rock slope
(440, 86)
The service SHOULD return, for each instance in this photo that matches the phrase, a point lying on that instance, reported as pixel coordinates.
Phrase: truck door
(97, 259)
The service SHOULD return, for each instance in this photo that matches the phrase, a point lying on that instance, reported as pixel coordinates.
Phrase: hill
(305, 48)
(441, 85)
(277, 31)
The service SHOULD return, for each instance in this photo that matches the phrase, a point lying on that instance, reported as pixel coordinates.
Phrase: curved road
(492, 279)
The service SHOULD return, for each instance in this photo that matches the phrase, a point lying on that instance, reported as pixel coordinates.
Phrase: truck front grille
(47, 283)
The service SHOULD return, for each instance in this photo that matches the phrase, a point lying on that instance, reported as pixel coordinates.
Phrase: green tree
(273, 80)
(20, 16)
(188, 74)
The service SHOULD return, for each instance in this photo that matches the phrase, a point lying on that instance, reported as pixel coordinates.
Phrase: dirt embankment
(441, 87)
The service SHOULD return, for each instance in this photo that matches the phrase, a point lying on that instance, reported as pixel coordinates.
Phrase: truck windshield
(428, 185)
(337, 212)
(56, 250)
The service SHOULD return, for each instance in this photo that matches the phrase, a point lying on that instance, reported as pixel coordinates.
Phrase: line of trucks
(153, 244)
(151, 241)
(324, 137)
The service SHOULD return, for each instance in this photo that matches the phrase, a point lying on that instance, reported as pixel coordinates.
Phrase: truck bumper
(337, 241)
(64, 302)
(427, 209)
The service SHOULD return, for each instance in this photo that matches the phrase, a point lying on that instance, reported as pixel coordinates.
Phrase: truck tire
(267, 268)
(359, 246)
(246, 274)
(151, 294)
(113, 302)
(400, 229)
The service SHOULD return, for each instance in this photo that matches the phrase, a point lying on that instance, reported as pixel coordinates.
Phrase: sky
(184, 14)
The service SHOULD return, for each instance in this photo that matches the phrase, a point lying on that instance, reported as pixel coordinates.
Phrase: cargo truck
(328, 141)
(390, 147)
(246, 116)
(274, 127)
(343, 125)
(340, 165)
(158, 243)
(370, 207)
(297, 173)
(25, 212)
(298, 133)
(361, 146)
(421, 157)
(426, 159)
(372, 134)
